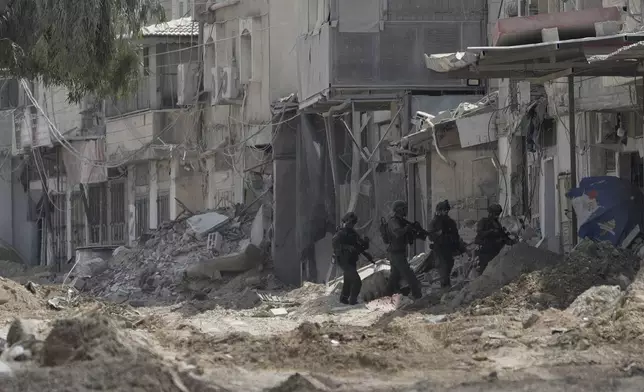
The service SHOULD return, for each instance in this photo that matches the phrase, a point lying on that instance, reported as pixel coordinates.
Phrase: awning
(634, 52)
(541, 60)
(465, 126)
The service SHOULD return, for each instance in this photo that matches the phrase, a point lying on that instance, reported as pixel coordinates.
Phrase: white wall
(129, 133)
(226, 36)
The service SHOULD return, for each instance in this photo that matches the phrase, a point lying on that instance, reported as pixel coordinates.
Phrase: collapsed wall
(180, 258)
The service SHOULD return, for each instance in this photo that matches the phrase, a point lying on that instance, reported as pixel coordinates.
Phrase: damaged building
(317, 109)
(569, 102)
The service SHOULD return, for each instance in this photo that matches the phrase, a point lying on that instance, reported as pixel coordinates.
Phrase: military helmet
(443, 206)
(350, 217)
(398, 204)
(495, 209)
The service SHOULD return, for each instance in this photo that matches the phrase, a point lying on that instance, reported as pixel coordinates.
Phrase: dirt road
(319, 346)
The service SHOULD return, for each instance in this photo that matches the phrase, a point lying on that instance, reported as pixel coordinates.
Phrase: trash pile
(557, 285)
(182, 257)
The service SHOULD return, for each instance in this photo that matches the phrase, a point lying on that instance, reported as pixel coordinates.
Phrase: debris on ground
(15, 298)
(143, 374)
(625, 321)
(299, 383)
(596, 301)
(510, 264)
(557, 284)
(87, 339)
(203, 224)
(312, 347)
(175, 262)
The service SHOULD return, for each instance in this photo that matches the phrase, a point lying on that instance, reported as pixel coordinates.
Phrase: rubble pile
(312, 347)
(558, 285)
(16, 298)
(83, 354)
(618, 315)
(509, 265)
(178, 259)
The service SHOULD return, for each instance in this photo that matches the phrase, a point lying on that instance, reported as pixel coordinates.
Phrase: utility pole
(573, 152)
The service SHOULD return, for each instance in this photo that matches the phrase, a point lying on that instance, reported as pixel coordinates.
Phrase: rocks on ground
(553, 282)
(509, 265)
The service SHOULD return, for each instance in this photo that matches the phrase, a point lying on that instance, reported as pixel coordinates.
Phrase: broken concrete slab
(279, 312)
(247, 258)
(257, 229)
(595, 301)
(89, 268)
(215, 242)
(203, 224)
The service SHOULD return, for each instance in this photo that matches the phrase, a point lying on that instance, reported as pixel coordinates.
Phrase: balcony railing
(140, 100)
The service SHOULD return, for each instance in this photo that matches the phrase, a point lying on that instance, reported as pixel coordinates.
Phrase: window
(163, 208)
(141, 210)
(182, 10)
(611, 161)
(246, 60)
(146, 61)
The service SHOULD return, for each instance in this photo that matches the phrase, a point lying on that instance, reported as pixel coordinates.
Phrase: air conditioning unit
(187, 83)
(225, 86)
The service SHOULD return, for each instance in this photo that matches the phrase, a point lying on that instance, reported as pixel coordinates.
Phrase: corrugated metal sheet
(533, 60)
(634, 51)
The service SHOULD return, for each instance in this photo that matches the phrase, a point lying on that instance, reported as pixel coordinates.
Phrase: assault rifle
(416, 229)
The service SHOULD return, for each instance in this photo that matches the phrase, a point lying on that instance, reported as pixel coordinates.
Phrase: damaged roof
(182, 27)
(538, 60)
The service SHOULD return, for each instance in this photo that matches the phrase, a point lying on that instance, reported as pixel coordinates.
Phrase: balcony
(130, 136)
(382, 49)
(139, 100)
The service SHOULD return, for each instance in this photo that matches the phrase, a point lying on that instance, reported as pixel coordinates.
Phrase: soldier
(447, 242)
(347, 247)
(490, 237)
(399, 234)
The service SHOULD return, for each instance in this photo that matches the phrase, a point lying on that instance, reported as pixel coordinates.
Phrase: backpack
(384, 231)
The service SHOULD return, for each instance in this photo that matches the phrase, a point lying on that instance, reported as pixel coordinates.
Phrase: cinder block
(551, 34)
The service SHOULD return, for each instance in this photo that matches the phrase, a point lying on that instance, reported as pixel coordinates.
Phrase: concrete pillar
(284, 249)
(212, 186)
(174, 172)
(130, 196)
(238, 179)
(68, 220)
(85, 189)
(153, 79)
(154, 195)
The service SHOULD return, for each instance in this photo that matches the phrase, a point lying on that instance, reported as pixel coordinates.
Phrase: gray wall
(366, 44)
(395, 47)
(283, 15)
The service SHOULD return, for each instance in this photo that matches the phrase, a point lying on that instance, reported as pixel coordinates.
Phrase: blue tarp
(608, 208)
